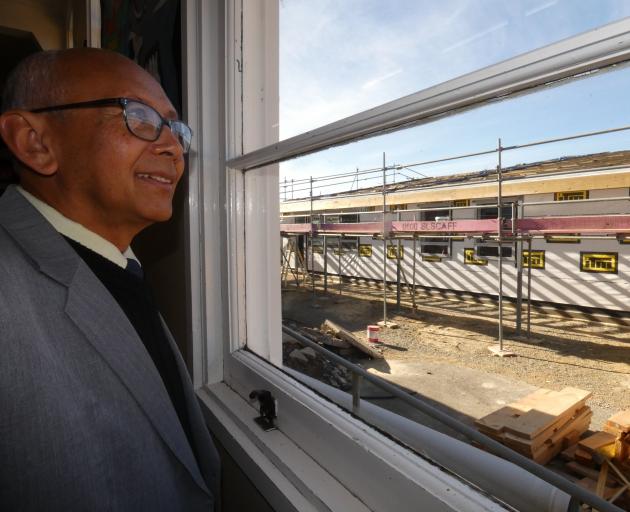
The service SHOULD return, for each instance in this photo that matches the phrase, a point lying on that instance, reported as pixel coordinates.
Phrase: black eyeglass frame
(123, 102)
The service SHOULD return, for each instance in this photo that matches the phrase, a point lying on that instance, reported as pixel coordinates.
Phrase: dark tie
(134, 267)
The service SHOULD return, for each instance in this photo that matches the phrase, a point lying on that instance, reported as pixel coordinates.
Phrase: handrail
(490, 444)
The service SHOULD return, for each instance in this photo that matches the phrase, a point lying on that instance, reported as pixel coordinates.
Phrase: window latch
(268, 408)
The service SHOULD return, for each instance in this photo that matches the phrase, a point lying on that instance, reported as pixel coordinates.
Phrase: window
(397, 207)
(317, 245)
(471, 259)
(575, 195)
(235, 289)
(537, 259)
(435, 245)
(491, 212)
(365, 250)
(459, 203)
(395, 252)
(572, 238)
(493, 251)
(599, 262)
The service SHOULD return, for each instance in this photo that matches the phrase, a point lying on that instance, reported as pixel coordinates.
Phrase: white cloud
(541, 7)
(375, 81)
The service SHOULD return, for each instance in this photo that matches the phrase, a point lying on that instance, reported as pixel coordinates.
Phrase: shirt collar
(79, 233)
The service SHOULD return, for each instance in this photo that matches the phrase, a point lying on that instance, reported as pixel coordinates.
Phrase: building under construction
(556, 231)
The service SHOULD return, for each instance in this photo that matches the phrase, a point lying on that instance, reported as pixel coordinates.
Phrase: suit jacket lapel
(98, 316)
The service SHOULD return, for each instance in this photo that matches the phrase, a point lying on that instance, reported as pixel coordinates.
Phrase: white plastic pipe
(500, 478)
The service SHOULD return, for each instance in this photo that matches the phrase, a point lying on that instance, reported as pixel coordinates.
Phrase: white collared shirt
(79, 233)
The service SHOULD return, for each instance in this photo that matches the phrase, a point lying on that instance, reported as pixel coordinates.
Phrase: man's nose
(168, 144)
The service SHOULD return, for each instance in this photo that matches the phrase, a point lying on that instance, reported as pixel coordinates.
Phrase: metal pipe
(413, 280)
(311, 235)
(570, 137)
(398, 247)
(339, 261)
(356, 392)
(384, 245)
(529, 288)
(518, 211)
(325, 264)
(490, 444)
(500, 240)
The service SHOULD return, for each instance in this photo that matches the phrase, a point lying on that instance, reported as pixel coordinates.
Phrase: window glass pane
(597, 102)
(339, 58)
(575, 270)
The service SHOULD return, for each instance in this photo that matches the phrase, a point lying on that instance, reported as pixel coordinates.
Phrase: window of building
(574, 195)
(570, 238)
(537, 259)
(493, 251)
(232, 59)
(435, 245)
(471, 259)
(395, 252)
(492, 211)
(599, 262)
(459, 203)
(365, 250)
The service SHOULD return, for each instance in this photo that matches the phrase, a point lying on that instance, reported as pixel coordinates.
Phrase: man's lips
(156, 179)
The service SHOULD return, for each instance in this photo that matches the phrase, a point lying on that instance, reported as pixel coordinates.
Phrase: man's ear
(23, 133)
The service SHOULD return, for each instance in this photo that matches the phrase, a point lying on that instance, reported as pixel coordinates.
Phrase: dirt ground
(592, 355)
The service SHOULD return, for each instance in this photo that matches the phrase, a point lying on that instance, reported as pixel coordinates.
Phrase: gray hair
(33, 83)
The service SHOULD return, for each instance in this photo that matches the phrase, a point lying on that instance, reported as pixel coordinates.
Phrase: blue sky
(339, 57)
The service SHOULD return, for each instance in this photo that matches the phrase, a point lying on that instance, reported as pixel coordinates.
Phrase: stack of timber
(601, 460)
(618, 426)
(542, 424)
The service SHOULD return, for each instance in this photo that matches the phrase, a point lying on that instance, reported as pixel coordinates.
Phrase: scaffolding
(520, 230)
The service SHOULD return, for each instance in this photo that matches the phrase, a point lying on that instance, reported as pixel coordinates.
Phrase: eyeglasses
(143, 121)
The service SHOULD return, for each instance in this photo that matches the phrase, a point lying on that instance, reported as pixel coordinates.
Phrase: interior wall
(46, 20)
(237, 491)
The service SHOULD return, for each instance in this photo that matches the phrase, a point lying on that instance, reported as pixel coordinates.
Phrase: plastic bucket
(372, 334)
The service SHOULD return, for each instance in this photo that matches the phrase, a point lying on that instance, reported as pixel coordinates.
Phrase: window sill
(321, 457)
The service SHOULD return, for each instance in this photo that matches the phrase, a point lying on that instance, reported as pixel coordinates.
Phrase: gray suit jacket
(85, 420)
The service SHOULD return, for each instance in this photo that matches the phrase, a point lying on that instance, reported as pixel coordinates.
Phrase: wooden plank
(535, 413)
(584, 471)
(597, 442)
(591, 485)
(340, 332)
(620, 421)
(548, 451)
(544, 437)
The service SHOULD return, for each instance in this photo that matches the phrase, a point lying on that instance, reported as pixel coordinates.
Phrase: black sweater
(133, 295)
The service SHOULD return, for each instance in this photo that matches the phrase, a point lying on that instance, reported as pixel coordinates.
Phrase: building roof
(480, 183)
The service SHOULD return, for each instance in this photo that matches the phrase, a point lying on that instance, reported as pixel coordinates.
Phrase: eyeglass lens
(144, 122)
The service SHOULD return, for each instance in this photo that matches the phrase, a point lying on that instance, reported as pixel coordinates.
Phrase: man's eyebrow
(171, 113)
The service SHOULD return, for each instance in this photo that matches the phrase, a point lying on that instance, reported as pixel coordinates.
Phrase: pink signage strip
(446, 226)
(295, 228)
(581, 224)
(534, 225)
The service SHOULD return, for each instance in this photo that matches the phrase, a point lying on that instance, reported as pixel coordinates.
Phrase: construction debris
(330, 327)
(542, 424)
(601, 461)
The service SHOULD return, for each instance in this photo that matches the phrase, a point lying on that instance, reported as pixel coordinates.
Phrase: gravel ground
(591, 355)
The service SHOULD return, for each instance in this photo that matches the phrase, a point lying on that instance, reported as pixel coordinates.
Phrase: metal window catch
(268, 409)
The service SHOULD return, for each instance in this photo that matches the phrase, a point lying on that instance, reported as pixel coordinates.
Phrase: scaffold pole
(384, 243)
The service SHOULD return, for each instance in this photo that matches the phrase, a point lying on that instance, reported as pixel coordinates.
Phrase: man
(97, 411)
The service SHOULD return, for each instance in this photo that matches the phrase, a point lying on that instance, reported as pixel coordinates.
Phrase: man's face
(109, 178)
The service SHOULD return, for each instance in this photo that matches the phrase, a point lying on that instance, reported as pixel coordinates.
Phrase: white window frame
(320, 457)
